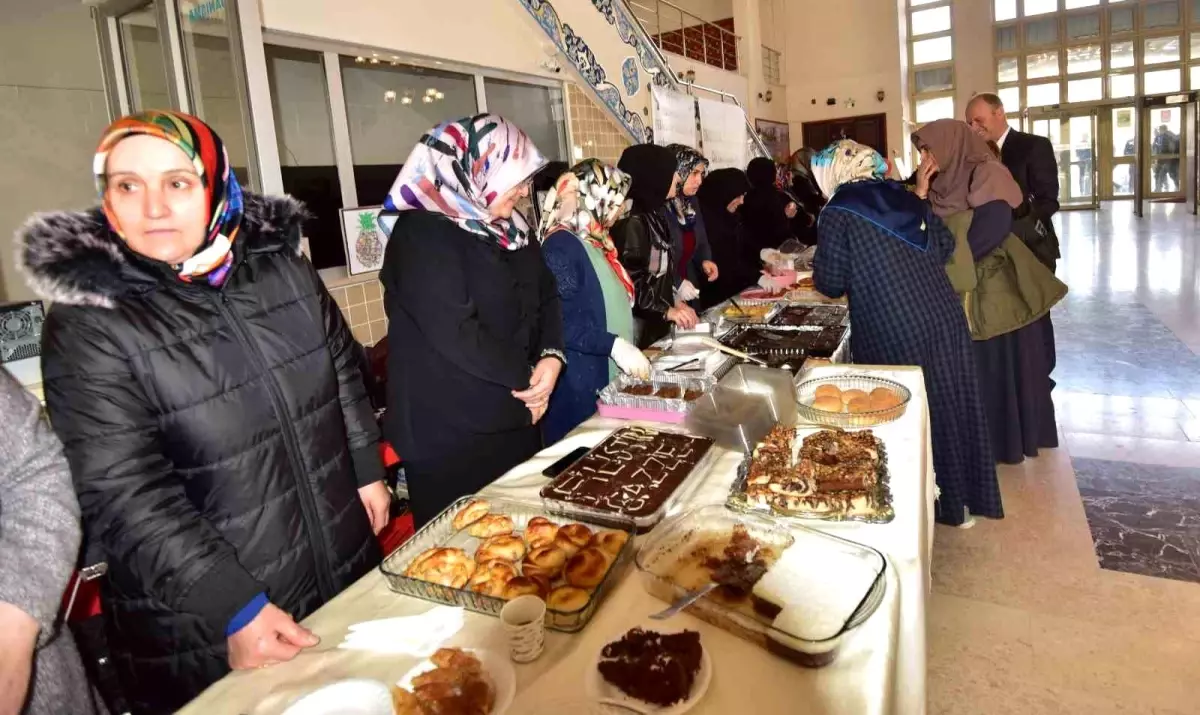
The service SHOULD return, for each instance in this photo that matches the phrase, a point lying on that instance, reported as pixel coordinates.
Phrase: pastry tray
(806, 393)
(722, 322)
(645, 522)
(659, 554)
(820, 309)
(882, 513)
(612, 394)
(440, 532)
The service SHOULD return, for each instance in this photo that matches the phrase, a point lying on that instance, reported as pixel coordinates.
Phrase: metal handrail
(750, 130)
(725, 35)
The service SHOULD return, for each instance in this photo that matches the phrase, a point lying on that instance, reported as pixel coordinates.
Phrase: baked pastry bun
(544, 561)
(526, 586)
(586, 569)
(827, 403)
(475, 510)
(540, 531)
(573, 537)
(567, 599)
(443, 566)
(884, 399)
(849, 395)
(491, 577)
(859, 405)
(829, 391)
(491, 525)
(505, 547)
(610, 541)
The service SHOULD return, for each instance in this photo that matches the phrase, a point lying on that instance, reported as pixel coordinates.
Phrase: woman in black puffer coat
(216, 423)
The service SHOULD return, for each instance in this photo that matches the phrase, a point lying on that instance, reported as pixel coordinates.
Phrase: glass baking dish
(440, 532)
(806, 392)
(838, 584)
(642, 522)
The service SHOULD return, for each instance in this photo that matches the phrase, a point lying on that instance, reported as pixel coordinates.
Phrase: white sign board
(724, 130)
(674, 118)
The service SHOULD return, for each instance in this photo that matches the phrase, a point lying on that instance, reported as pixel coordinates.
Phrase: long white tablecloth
(881, 668)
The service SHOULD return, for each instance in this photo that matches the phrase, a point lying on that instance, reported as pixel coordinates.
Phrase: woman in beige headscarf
(1005, 290)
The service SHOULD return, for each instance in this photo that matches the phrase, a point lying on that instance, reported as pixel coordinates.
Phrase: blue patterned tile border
(629, 75)
(584, 60)
(616, 13)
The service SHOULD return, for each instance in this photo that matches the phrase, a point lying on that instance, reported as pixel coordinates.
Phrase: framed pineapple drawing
(363, 239)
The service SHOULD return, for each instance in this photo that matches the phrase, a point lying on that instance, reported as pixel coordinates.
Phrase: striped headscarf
(459, 169)
(212, 260)
(587, 200)
(686, 160)
(846, 161)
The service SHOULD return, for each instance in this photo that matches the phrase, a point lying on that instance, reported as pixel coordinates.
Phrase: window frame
(913, 68)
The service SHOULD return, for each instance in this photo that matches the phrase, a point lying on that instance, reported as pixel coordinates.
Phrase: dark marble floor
(1145, 519)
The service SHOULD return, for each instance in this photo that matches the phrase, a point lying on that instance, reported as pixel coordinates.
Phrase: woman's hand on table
(271, 638)
(683, 316)
(377, 500)
(710, 270)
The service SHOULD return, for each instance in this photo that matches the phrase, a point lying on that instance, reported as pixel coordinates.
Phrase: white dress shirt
(1003, 138)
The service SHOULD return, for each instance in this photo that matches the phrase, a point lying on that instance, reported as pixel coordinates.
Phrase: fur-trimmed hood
(72, 257)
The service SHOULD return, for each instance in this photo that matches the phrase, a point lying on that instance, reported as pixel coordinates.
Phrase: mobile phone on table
(561, 465)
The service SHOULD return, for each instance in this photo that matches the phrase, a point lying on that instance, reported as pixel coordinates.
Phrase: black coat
(1030, 159)
(217, 437)
(468, 321)
(638, 237)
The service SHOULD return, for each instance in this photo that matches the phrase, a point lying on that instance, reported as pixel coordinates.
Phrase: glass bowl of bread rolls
(851, 400)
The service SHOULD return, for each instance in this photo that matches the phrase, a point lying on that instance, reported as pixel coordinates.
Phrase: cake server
(687, 600)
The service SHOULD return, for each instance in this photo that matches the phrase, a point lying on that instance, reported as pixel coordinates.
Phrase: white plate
(358, 696)
(496, 667)
(597, 687)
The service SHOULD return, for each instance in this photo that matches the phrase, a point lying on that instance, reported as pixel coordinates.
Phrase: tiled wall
(362, 305)
(594, 133)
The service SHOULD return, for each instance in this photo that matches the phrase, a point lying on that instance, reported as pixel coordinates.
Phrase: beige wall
(52, 111)
(849, 49)
(974, 64)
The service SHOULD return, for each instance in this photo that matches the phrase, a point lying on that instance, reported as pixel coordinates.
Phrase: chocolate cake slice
(656, 668)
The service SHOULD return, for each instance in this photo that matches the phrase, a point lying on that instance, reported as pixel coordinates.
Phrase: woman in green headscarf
(595, 290)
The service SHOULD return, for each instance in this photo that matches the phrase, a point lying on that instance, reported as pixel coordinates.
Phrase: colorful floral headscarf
(212, 261)
(459, 168)
(686, 160)
(587, 200)
(845, 161)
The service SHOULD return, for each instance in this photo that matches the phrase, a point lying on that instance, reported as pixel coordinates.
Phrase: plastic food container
(833, 585)
(440, 532)
(642, 522)
(806, 393)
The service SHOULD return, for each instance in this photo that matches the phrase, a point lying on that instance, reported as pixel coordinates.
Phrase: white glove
(631, 360)
(687, 292)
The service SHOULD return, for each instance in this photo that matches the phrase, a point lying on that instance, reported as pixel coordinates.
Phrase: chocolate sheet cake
(822, 315)
(764, 341)
(633, 472)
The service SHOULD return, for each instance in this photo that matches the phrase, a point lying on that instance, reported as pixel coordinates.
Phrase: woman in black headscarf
(721, 195)
(689, 235)
(765, 213)
(643, 240)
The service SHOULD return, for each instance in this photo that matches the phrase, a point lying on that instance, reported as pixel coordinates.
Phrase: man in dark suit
(1030, 158)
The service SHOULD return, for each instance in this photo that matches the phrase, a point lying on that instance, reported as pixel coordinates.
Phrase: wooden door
(869, 129)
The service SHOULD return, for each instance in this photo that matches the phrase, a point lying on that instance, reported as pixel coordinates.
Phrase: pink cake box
(621, 412)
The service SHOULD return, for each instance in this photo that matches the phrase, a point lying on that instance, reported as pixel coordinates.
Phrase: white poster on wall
(674, 117)
(723, 127)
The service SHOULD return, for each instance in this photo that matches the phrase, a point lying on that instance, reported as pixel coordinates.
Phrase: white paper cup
(524, 620)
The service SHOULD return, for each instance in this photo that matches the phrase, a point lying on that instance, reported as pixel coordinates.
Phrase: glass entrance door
(1121, 151)
(1165, 147)
(1073, 136)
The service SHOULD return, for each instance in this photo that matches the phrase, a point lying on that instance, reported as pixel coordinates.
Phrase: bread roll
(884, 399)
(849, 395)
(526, 586)
(491, 525)
(505, 547)
(540, 531)
(828, 404)
(859, 405)
(443, 566)
(567, 599)
(610, 542)
(572, 537)
(586, 569)
(829, 391)
(545, 561)
(491, 577)
(475, 510)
